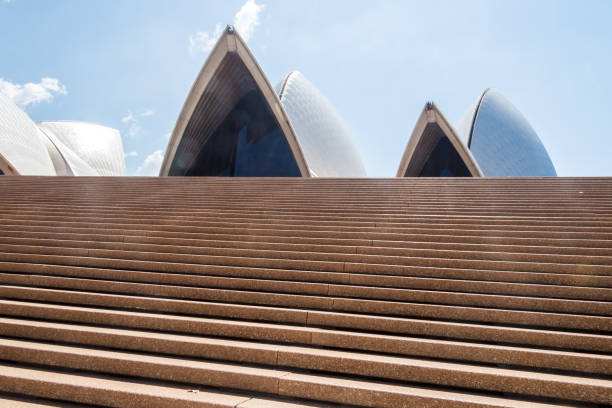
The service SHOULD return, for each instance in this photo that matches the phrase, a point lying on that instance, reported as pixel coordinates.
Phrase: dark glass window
(1, 173)
(248, 143)
(444, 161)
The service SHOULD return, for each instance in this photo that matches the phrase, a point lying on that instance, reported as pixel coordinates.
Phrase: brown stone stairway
(202, 292)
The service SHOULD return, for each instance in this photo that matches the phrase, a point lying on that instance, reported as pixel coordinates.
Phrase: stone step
(307, 222)
(354, 271)
(331, 253)
(298, 243)
(273, 353)
(326, 199)
(253, 215)
(108, 391)
(298, 292)
(21, 401)
(313, 228)
(552, 238)
(307, 294)
(112, 391)
(312, 282)
(272, 380)
(567, 320)
(305, 260)
(280, 325)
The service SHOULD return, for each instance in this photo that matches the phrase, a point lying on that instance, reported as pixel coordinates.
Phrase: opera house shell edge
(234, 123)
(60, 148)
(493, 139)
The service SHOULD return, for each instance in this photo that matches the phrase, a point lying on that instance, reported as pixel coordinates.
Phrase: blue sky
(130, 64)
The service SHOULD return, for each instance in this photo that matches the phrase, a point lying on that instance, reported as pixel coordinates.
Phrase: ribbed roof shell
(328, 146)
(502, 141)
(66, 162)
(100, 147)
(22, 149)
(429, 129)
(229, 72)
(62, 168)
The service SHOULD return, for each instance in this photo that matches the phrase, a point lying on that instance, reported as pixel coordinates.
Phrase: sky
(130, 64)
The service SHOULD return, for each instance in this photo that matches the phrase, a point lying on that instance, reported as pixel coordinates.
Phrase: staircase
(217, 292)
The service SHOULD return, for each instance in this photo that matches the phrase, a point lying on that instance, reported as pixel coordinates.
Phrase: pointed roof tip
(231, 30)
(231, 44)
(431, 115)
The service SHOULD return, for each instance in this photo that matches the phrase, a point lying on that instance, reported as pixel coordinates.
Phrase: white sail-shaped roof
(501, 139)
(226, 87)
(65, 161)
(327, 144)
(431, 132)
(89, 147)
(59, 163)
(22, 148)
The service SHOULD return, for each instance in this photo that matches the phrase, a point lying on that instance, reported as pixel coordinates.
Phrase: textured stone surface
(301, 293)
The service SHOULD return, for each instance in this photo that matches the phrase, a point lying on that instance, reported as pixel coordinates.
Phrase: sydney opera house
(308, 289)
(62, 148)
(235, 123)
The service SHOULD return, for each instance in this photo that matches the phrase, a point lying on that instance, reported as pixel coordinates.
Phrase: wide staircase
(202, 292)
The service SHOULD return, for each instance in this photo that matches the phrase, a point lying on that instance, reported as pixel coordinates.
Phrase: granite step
(305, 260)
(306, 294)
(251, 215)
(278, 380)
(308, 222)
(297, 292)
(373, 232)
(22, 401)
(352, 271)
(428, 207)
(331, 253)
(109, 391)
(113, 391)
(301, 243)
(313, 282)
(324, 237)
(273, 353)
(314, 303)
(280, 325)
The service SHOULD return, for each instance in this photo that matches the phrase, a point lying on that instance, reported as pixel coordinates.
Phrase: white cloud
(246, 21)
(31, 93)
(129, 118)
(134, 121)
(203, 41)
(130, 154)
(151, 164)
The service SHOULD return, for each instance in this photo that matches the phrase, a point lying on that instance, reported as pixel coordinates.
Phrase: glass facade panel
(444, 161)
(248, 143)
